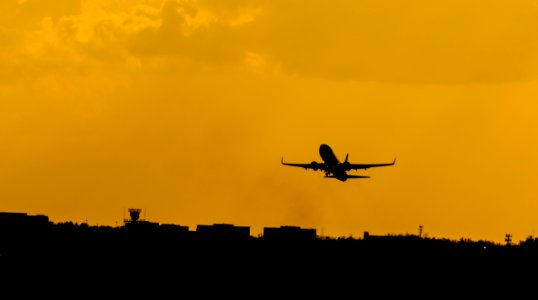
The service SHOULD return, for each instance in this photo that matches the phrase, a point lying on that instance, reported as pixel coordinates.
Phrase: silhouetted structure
(173, 228)
(289, 233)
(22, 220)
(137, 226)
(134, 214)
(223, 232)
(508, 239)
(21, 226)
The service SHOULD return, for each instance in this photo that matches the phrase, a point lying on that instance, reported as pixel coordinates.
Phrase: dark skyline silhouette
(226, 259)
(23, 233)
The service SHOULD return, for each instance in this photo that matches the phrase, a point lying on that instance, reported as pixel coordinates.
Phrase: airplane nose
(324, 148)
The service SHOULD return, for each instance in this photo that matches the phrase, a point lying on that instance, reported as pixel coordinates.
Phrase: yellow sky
(185, 108)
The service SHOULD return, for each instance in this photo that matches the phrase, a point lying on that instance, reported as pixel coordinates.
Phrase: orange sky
(185, 108)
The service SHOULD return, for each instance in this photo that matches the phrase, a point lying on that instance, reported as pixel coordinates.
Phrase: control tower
(134, 214)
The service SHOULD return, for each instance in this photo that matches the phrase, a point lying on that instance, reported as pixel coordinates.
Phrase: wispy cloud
(390, 41)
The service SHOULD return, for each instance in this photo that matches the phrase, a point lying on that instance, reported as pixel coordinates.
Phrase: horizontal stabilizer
(357, 176)
(349, 176)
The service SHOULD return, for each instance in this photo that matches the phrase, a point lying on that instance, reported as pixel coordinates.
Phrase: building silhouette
(222, 232)
(289, 233)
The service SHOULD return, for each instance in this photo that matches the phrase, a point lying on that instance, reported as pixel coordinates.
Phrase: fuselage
(327, 155)
(332, 163)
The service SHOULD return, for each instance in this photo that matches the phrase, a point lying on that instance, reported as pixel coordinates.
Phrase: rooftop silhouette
(23, 233)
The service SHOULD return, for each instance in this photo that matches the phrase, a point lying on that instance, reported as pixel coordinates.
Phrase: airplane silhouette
(333, 168)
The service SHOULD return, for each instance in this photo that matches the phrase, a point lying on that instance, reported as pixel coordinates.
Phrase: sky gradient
(185, 108)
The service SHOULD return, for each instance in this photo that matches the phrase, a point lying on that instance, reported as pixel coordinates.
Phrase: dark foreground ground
(148, 260)
(81, 261)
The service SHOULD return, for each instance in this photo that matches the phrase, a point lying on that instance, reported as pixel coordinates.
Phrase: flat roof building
(223, 232)
(289, 233)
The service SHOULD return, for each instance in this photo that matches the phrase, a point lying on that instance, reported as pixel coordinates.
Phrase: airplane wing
(313, 165)
(349, 166)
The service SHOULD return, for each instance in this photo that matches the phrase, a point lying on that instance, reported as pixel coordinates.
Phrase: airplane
(333, 168)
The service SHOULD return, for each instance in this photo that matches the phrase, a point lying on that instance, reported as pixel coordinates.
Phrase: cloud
(204, 31)
(415, 41)
(103, 36)
(27, 14)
